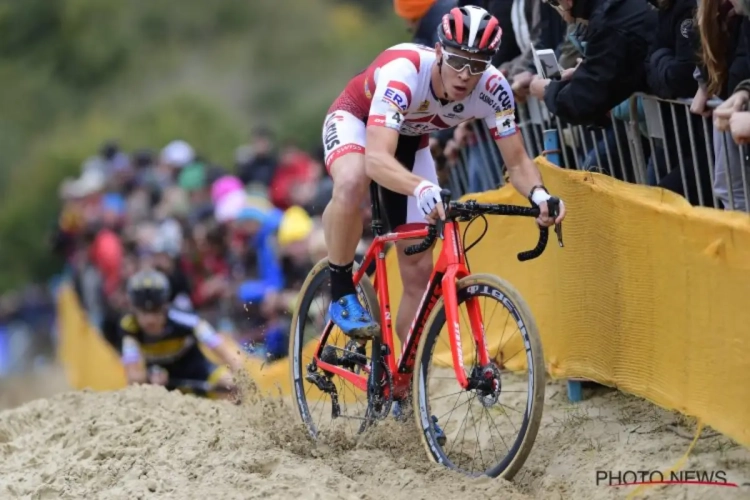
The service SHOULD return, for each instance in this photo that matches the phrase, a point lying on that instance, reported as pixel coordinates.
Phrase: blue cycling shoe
(353, 319)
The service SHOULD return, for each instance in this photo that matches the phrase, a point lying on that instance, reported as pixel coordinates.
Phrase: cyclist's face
(461, 71)
(151, 322)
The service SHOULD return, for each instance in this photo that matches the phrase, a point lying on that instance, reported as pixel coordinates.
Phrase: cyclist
(378, 129)
(154, 335)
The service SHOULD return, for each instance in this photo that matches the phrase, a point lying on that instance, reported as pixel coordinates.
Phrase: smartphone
(546, 64)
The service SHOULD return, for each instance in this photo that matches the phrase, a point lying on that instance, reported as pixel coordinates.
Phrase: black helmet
(148, 290)
(471, 29)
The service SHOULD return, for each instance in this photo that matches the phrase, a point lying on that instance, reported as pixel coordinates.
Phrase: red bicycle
(337, 369)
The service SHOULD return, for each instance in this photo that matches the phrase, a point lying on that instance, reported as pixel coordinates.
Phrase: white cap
(91, 182)
(177, 153)
(230, 206)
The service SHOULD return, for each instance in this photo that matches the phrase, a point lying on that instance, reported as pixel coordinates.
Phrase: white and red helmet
(471, 29)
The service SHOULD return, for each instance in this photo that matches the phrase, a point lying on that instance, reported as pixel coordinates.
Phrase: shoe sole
(364, 333)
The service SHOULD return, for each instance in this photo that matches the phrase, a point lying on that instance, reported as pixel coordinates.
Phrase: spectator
(670, 76)
(614, 36)
(422, 16)
(295, 168)
(732, 114)
(724, 66)
(193, 180)
(257, 163)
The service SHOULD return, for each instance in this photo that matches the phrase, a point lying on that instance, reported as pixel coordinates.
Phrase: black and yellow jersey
(182, 332)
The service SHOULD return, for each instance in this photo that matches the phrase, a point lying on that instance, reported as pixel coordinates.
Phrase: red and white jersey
(395, 91)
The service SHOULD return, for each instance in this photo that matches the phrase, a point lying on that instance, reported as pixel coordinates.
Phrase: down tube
(450, 301)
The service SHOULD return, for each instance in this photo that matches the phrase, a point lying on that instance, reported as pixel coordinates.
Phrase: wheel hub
(487, 382)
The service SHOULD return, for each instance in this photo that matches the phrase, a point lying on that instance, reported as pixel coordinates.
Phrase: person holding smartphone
(613, 37)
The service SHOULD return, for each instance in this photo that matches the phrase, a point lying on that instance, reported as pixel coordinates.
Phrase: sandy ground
(143, 442)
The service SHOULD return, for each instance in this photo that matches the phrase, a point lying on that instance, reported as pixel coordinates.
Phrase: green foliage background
(77, 72)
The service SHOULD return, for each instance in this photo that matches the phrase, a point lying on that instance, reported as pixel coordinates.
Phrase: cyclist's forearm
(525, 176)
(229, 356)
(385, 170)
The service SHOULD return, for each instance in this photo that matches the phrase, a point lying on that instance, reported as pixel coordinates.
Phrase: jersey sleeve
(131, 350)
(498, 106)
(206, 334)
(394, 91)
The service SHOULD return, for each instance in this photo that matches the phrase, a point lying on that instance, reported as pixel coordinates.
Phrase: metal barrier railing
(647, 141)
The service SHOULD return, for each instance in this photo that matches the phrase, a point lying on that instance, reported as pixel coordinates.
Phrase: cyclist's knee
(349, 179)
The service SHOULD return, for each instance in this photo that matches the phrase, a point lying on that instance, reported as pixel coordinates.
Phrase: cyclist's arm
(522, 170)
(381, 164)
(135, 367)
(391, 99)
(223, 349)
(500, 120)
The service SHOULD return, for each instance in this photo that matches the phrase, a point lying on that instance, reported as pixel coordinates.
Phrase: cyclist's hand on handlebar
(539, 197)
(429, 201)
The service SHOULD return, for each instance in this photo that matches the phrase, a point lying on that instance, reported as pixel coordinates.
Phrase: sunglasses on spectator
(458, 63)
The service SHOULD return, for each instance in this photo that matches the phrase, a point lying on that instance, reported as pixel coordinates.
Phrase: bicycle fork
(450, 298)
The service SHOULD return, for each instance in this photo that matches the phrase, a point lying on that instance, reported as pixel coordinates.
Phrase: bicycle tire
(524, 442)
(317, 276)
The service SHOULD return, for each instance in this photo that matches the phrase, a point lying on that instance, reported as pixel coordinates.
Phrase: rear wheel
(316, 406)
(489, 430)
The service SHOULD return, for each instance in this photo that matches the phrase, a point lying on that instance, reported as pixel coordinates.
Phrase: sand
(143, 442)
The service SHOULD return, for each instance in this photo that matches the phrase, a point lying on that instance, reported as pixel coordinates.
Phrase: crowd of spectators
(237, 243)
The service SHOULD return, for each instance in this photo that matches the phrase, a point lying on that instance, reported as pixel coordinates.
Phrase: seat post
(377, 223)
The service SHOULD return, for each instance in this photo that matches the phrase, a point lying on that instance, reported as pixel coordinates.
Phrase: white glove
(539, 196)
(428, 197)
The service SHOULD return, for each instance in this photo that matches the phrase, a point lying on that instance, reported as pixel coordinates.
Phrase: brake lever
(553, 205)
(445, 194)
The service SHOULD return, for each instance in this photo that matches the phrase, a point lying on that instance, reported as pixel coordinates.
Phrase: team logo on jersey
(458, 108)
(423, 107)
(398, 94)
(506, 126)
(368, 94)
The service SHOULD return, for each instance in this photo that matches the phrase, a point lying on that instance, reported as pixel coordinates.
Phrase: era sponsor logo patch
(397, 94)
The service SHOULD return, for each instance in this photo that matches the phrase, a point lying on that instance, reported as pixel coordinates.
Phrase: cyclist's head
(148, 293)
(468, 38)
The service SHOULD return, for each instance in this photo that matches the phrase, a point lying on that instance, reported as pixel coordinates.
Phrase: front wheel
(489, 430)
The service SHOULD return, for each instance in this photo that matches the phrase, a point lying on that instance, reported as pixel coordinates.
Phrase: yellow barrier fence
(648, 296)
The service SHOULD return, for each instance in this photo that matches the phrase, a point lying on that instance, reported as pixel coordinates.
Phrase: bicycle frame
(449, 268)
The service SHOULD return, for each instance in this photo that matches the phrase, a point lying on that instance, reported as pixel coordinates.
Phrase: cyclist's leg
(415, 269)
(344, 140)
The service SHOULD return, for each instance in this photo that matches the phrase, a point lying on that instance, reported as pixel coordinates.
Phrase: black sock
(342, 281)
